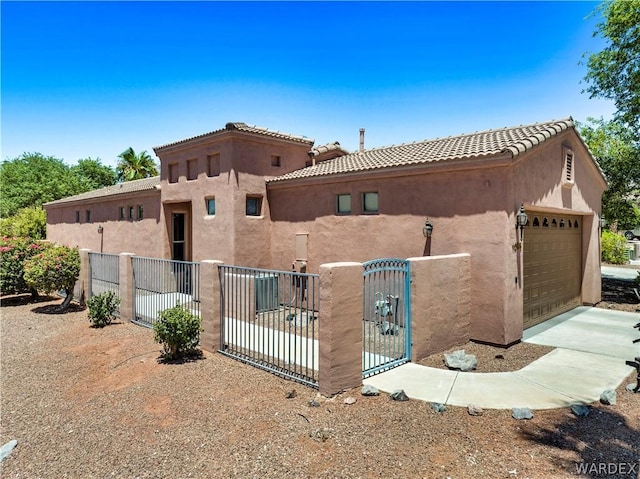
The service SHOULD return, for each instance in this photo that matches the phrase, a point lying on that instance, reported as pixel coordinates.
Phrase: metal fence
(386, 308)
(161, 284)
(104, 274)
(269, 319)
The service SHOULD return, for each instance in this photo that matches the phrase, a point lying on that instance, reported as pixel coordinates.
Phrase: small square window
(140, 212)
(343, 206)
(211, 206)
(370, 202)
(254, 205)
(192, 169)
(77, 217)
(173, 173)
(131, 211)
(88, 216)
(275, 160)
(213, 165)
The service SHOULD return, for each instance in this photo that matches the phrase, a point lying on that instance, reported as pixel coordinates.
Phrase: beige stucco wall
(143, 237)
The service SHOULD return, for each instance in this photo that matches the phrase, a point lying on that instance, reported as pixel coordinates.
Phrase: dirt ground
(98, 403)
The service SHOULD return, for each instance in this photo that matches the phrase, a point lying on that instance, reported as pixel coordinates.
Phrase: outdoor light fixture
(521, 220)
(427, 229)
(100, 229)
(603, 222)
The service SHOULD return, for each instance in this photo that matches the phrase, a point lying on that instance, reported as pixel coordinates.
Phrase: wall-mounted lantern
(100, 229)
(521, 220)
(603, 223)
(427, 229)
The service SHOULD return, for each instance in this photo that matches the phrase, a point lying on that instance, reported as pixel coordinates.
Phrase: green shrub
(14, 252)
(613, 248)
(102, 308)
(55, 268)
(178, 330)
(28, 222)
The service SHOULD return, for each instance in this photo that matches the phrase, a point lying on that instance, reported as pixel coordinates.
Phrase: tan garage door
(552, 278)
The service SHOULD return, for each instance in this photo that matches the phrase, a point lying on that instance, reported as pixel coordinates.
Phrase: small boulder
(580, 411)
(5, 450)
(350, 400)
(460, 360)
(608, 397)
(399, 395)
(474, 410)
(291, 394)
(438, 407)
(313, 403)
(521, 413)
(631, 387)
(368, 390)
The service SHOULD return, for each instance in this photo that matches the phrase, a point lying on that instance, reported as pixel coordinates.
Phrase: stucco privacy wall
(226, 166)
(140, 236)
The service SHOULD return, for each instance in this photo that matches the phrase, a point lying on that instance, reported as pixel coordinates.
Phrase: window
(131, 211)
(87, 215)
(77, 217)
(343, 204)
(275, 160)
(254, 205)
(121, 216)
(140, 212)
(370, 202)
(568, 168)
(192, 169)
(536, 222)
(173, 173)
(213, 165)
(211, 206)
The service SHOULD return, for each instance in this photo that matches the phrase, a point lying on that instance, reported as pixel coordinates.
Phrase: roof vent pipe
(361, 139)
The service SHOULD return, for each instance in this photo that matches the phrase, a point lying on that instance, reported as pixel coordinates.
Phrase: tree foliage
(56, 268)
(28, 222)
(135, 166)
(34, 179)
(614, 73)
(618, 152)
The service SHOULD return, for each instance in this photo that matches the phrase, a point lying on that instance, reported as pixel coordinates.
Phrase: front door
(178, 238)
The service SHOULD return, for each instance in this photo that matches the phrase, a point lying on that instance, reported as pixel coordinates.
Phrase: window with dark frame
(77, 217)
(370, 202)
(343, 204)
(254, 205)
(131, 211)
(173, 172)
(140, 212)
(88, 216)
(276, 160)
(122, 214)
(211, 206)
(192, 169)
(213, 165)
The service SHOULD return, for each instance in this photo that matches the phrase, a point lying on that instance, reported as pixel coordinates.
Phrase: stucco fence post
(81, 288)
(340, 327)
(127, 295)
(440, 303)
(210, 304)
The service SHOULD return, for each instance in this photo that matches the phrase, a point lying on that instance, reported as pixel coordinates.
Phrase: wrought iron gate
(386, 308)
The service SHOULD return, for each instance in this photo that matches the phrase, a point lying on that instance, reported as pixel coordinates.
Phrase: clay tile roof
(134, 186)
(319, 150)
(243, 127)
(513, 140)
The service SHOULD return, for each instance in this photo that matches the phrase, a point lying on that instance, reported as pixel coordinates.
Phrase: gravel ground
(97, 403)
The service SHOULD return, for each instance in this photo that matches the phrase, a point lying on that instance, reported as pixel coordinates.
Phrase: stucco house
(250, 196)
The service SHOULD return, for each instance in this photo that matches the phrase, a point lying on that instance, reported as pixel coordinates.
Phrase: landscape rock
(460, 360)
(631, 387)
(368, 390)
(399, 395)
(521, 413)
(580, 411)
(350, 400)
(608, 397)
(438, 407)
(313, 403)
(291, 394)
(474, 410)
(5, 450)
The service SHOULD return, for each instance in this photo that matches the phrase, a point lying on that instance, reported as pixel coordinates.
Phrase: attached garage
(552, 276)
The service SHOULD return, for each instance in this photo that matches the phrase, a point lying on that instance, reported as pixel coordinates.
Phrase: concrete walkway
(592, 347)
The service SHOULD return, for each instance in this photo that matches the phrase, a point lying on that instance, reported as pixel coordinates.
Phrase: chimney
(361, 139)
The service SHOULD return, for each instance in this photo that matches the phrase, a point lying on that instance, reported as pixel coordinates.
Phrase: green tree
(135, 166)
(94, 174)
(618, 153)
(614, 73)
(54, 269)
(33, 179)
(30, 222)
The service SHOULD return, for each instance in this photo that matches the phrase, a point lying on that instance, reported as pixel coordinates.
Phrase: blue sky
(89, 79)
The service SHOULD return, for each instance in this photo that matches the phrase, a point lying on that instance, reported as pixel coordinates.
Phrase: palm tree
(132, 166)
